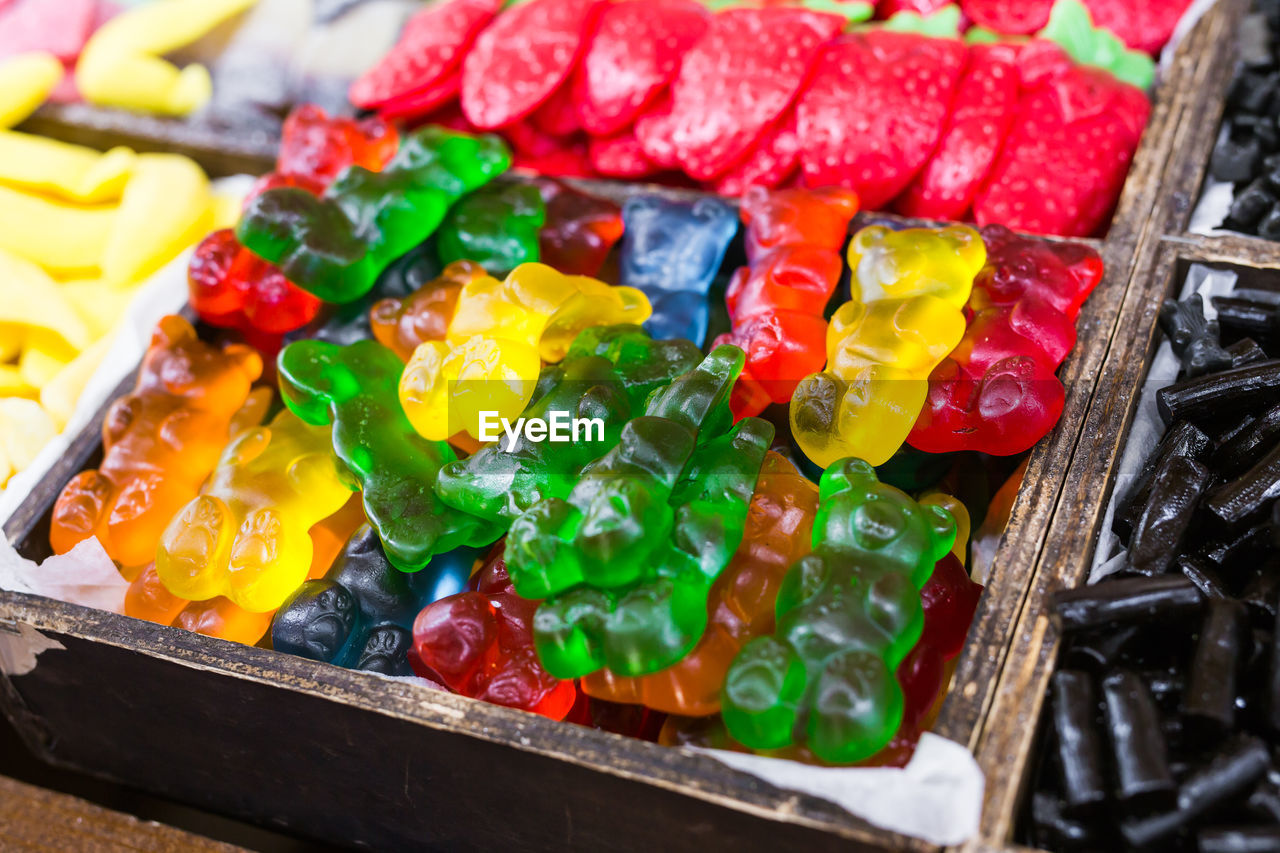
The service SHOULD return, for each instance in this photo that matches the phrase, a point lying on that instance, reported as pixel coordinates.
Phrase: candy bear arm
(403, 324)
(497, 227)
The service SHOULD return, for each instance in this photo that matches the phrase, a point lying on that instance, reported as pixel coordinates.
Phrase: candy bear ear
(643, 205)
(713, 210)
(306, 379)
(171, 331)
(872, 237)
(246, 359)
(847, 475)
(968, 244)
(943, 525)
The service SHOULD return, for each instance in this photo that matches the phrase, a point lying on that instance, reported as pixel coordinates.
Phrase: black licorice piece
(1182, 439)
(1075, 708)
(1250, 205)
(1159, 533)
(1098, 652)
(1273, 680)
(1205, 578)
(1260, 593)
(1210, 701)
(1053, 829)
(1125, 600)
(1231, 772)
(1138, 749)
(1240, 839)
(1235, 160)
(1239, 452)
(1195, 339)
(1238, 391)
(1269, 227)
(1247, 495)
(1247, 316)
(1239, 548)
(1245, 352)
(1265, 801)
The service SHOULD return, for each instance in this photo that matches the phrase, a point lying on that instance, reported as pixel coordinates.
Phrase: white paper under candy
(937, 797)
(85, 575)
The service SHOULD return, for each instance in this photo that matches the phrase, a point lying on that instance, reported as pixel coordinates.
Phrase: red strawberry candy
(1012, 17)
(774, 158)
(980, 119)
(636, 51)
(1142, 26)
(522, 58)
(736, 81)
(559, 115)
(425, 61)
(874, 110)
(620, 156)
(1065, 161)
(656, 142)
(422, 101)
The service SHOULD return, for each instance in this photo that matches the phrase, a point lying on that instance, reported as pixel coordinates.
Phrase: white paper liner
(1148, 428)
(937, 797)
(85, 575)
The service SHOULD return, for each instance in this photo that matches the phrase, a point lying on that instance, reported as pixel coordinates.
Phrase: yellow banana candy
(166, 207)
(25, 82)
(123, 66)
(71, 172)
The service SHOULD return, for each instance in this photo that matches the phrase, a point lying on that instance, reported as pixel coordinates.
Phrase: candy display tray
(1005, 748)
(336, 754)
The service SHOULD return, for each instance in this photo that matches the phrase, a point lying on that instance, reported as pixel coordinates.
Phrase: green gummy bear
(354, 387)
(656, 621)
(1071, 28)
(337, 246)
(607, 374)
(847, 616)
(496, 226)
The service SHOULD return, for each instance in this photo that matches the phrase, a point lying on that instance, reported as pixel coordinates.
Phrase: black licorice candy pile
(1163, 719)
(1248, 153)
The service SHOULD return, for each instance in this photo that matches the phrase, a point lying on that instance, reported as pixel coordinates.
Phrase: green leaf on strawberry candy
(944, 23)
(982, 35)
(852, 11)
(1071, 27)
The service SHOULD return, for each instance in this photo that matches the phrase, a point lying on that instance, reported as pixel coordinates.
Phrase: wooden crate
(340, 754)
(1005, 747)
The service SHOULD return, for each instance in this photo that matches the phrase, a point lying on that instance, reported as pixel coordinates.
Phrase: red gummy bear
(479, 643)
(776, 305)
(233, 288)
(997, 393)
(315, 149)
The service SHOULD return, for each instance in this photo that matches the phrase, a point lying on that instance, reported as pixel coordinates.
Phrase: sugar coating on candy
(1012, 17)
(874, 110)
(636, 50)
(735, 81)
(773, 159)
(431, 47)
(519, 61)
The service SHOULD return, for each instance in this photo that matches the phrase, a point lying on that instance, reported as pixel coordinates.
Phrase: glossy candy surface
(496, 227)
(848, 614)
(904, 318)
(159, 444)
(672, 250)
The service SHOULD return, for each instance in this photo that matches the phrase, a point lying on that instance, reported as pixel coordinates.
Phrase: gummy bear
(776, 305)
(997, 392)
(245, 537)
(496, 227)
(847, 615)
(579, 231)
(337, 246)
(424, 315)
(629, 557)
(608, 374)
(159, 443)
(480, 644)
(740, 607)
(905, 315)
(354, 388)
(360, 614)
(671, 251)
(500, 334)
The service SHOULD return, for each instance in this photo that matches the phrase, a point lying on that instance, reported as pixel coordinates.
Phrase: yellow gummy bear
(881, 351)
(246, 536)
(445, 388)
(166, 206)
(25, 428)
(63, 238)
(71, 172)
(25, 82)
(30, 298)
(59, 395)
(122, 64)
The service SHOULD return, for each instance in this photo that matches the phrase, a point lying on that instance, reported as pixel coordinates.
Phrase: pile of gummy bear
(907, 113)
(720, 550)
